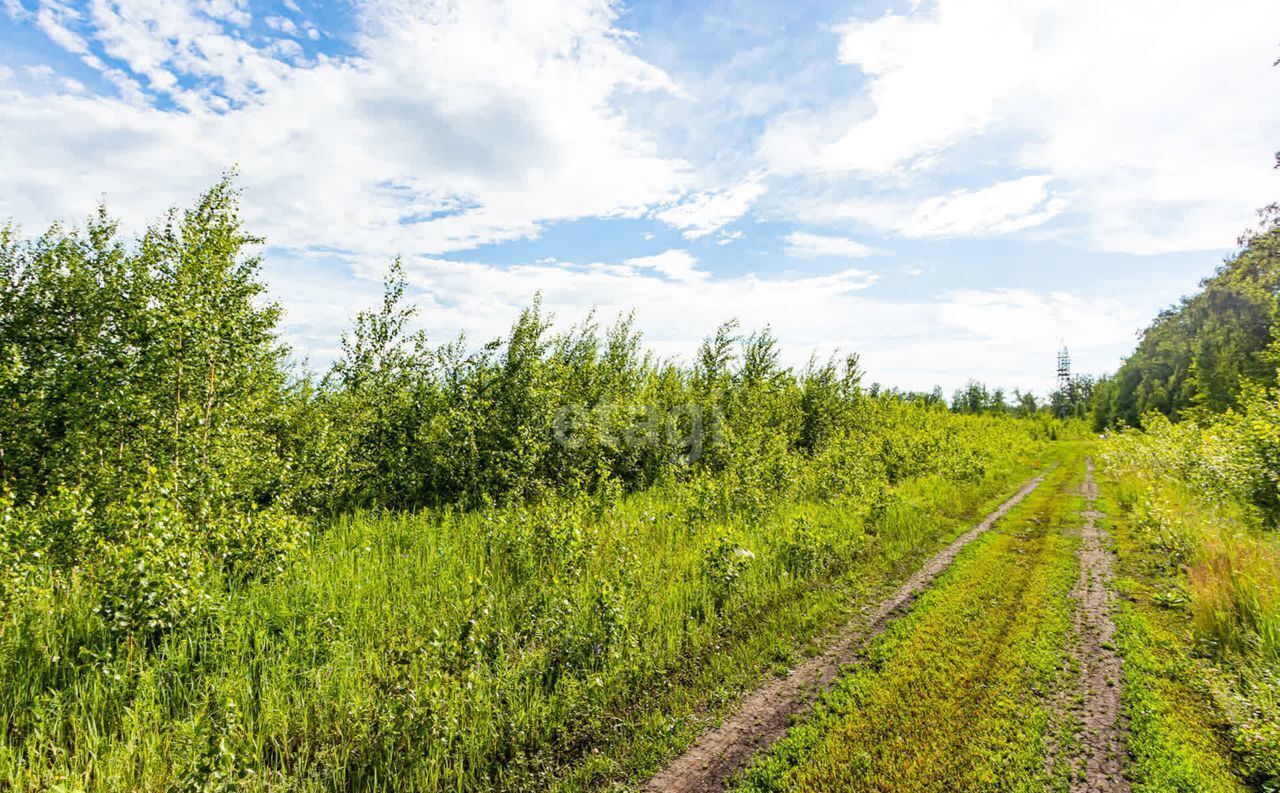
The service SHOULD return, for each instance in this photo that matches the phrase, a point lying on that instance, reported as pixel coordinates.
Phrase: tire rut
(1100, 763)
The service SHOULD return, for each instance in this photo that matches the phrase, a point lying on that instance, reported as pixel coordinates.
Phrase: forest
(553, 560)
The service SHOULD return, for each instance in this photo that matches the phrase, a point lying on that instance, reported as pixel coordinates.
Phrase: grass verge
(1176, 735)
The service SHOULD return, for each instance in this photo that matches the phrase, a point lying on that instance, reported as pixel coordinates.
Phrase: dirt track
(764, 715)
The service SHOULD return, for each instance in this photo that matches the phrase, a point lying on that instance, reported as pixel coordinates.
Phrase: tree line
(1202, 353)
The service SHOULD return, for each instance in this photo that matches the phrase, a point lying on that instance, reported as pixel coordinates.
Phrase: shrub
(724, 563)
(254, 543)
(156, 575)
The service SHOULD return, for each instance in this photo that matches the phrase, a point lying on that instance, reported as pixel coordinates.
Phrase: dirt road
(1011, 651)
(765, 714)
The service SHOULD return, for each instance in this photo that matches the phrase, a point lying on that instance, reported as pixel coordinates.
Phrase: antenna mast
(1064, 370)
(1064, 394)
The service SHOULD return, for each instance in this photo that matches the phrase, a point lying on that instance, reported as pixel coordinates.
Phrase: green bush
(155, 574)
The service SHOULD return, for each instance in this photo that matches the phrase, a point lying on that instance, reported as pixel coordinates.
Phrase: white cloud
(1021, 315)
(1003, 325)
(1161, 146)
(282, 24)
(161, 41)
(803, 244)
(704, 213)
(454, 126)
(676, 305)
(678, 265)
(43, 79)
(916, 105)
(52, 18)
(1005, 337)
(1002, 208)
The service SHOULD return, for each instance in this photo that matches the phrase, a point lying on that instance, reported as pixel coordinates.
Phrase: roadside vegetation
(1190, 459)
(1197, 354)
(1197, 504)
(1177, 736)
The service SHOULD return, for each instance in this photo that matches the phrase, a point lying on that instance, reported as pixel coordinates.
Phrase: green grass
(952, 696)
(572, 645)
(1176, 734)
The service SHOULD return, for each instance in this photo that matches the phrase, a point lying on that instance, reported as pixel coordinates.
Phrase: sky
(950, 188)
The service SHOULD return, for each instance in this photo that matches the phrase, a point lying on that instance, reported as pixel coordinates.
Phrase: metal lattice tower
(1064, 371)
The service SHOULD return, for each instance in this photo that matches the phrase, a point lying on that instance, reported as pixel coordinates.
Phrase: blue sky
(949, 188)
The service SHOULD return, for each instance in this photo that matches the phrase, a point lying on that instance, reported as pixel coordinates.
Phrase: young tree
(118, 362)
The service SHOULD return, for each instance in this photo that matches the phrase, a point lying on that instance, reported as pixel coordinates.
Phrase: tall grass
(1236, 602)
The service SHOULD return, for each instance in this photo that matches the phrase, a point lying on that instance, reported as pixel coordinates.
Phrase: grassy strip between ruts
(952, 696)
(1175, 735)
